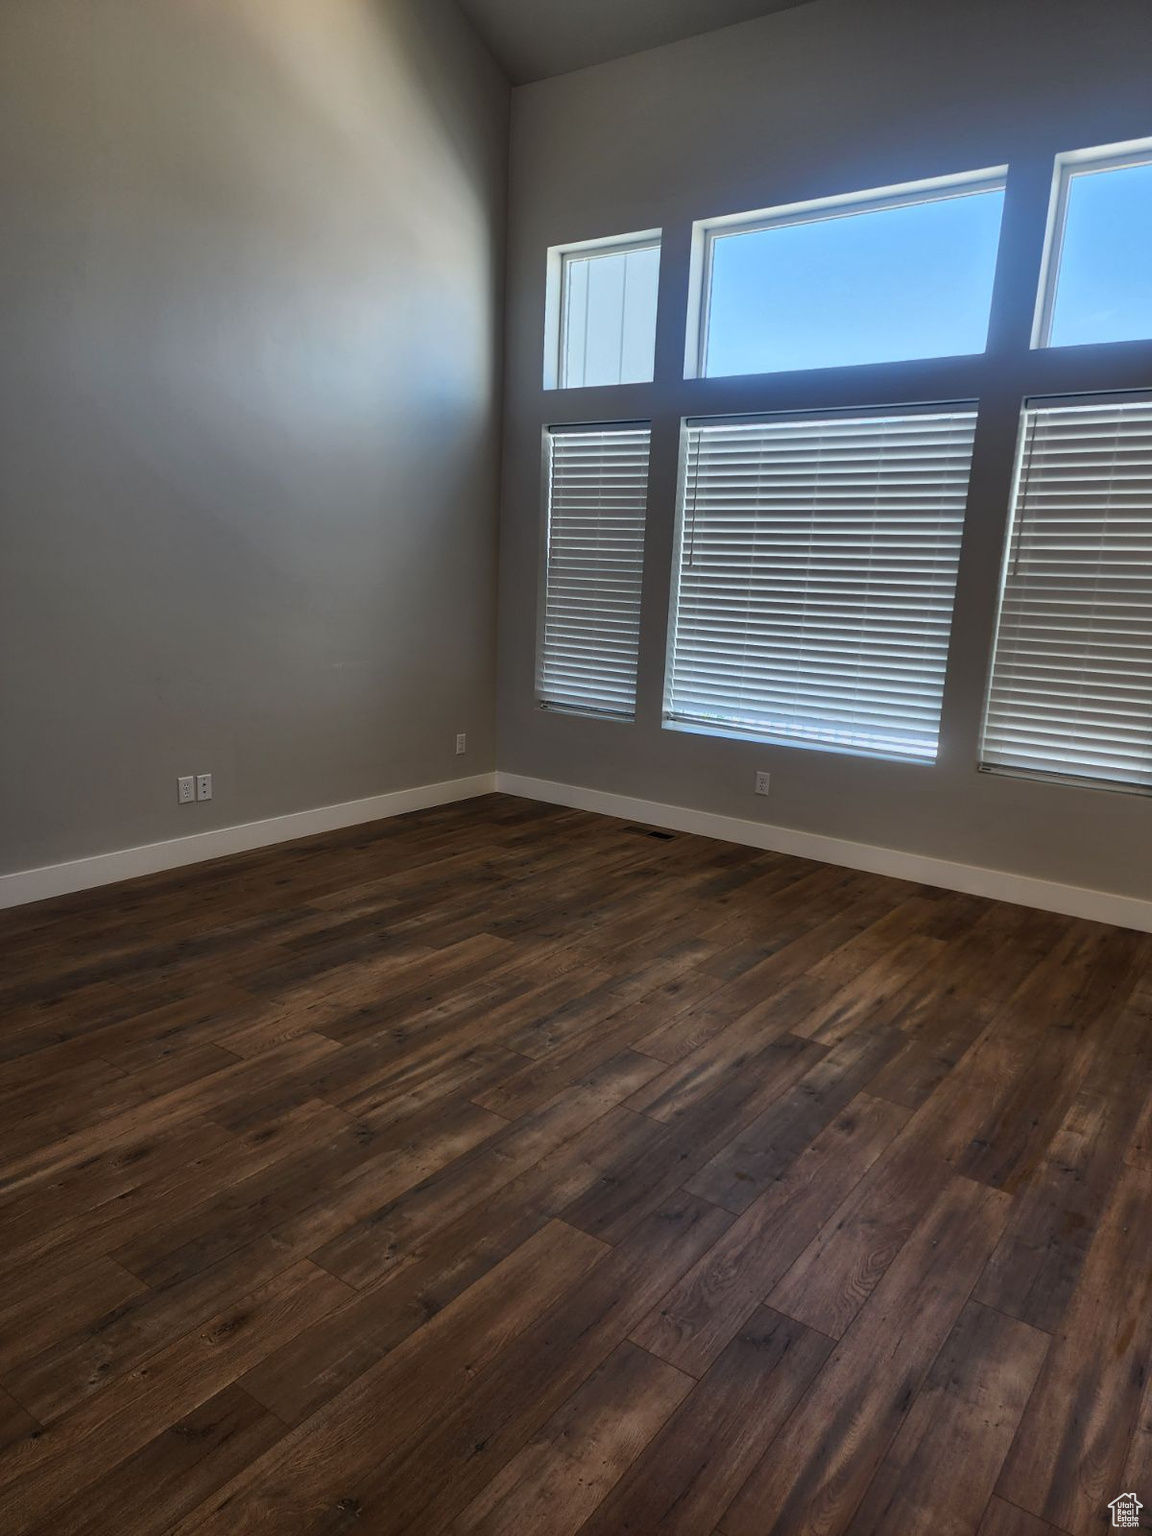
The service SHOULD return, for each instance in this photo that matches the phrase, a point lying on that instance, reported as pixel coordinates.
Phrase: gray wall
(250, 276)
(832, 97)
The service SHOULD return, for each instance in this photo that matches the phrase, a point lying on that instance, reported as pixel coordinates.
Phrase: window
(1098, 277)
(817, 564)
(1071, 688)
(602, 304)
(597, 496)
(874, 278)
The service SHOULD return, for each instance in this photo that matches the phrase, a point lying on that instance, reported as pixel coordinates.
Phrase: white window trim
(1075, 162)
(559, 257)
(706, 232)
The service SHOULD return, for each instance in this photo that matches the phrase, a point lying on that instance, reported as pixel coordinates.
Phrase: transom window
(1098, 271)
(602, 303)
(872, 278)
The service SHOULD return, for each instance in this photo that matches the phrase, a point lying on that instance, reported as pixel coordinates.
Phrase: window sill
(732, 733)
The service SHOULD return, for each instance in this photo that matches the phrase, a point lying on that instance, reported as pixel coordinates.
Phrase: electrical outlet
(203, 786)
(461, 744)
(763, 783)
(186, 789)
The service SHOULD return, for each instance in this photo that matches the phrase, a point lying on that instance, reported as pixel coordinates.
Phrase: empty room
(575, 767)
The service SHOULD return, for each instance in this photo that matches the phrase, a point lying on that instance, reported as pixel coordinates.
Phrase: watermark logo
(1126, 1512)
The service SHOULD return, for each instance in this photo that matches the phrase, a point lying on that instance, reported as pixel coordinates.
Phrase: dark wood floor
(507, 1169)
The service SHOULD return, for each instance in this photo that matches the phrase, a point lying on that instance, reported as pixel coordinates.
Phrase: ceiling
(533, 39)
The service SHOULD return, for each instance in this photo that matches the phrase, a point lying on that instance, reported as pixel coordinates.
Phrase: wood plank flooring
(506, 1169)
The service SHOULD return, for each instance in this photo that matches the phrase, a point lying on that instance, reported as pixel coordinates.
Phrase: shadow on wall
(248, 409)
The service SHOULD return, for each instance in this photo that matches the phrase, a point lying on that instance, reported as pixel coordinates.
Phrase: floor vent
(663, 837)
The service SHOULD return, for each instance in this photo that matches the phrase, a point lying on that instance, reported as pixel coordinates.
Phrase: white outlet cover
(186, 789)
(461, 744)
(203, 786)
(763, 783)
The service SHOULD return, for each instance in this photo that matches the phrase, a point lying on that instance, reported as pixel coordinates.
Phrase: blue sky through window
(1104, 286)
(879, 286)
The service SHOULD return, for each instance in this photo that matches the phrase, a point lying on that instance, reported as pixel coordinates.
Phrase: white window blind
(817, 569)
(1071, 688)
(597, 499)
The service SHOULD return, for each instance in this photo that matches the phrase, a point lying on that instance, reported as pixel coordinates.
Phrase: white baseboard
(105, 868)
(1000, 885)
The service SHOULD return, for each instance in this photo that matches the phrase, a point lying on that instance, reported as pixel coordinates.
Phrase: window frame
(706, 232)
(560, 258)
(1070, 164)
